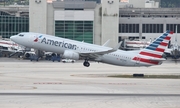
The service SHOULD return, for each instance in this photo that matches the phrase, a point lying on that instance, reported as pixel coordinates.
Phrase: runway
(46, 84)
(89, 94)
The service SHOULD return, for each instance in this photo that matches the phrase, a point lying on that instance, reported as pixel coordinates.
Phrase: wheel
(86, 64)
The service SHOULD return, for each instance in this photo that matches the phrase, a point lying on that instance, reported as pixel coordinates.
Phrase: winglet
(117, 46)
(106, 43)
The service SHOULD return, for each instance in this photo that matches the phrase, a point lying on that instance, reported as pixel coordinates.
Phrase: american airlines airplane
(71, 49)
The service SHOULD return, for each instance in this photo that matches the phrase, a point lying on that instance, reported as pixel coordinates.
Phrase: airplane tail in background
(153, 53)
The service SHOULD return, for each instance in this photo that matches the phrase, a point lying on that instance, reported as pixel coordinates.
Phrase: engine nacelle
(27, 55)
(71, 55)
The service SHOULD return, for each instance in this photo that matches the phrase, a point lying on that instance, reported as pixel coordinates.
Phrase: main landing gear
(86, 63)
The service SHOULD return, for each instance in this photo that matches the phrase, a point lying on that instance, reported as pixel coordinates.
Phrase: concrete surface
(46, 84)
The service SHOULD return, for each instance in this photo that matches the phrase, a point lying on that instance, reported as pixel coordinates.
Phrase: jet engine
(71, 55)
(27, 55)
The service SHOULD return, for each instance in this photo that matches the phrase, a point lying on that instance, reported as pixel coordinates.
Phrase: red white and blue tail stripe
(152, 54)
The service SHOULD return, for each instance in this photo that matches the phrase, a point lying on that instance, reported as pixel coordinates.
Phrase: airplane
(137, 43)
(11, 48)
(71, 49)
(7, 47)
(175, 49)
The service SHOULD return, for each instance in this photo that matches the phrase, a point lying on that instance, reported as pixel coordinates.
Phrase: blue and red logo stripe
(155, 49)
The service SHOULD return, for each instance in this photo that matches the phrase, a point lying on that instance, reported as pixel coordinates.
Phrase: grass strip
(147, 76)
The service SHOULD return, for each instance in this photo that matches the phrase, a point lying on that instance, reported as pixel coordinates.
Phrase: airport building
(13, 20)
(89, 21)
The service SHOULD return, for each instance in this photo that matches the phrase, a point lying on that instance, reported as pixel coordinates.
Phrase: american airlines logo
(37, 38)
(58, 43)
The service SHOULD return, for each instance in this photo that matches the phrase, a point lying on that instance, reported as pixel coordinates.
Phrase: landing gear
(34, 57)
(86, 63)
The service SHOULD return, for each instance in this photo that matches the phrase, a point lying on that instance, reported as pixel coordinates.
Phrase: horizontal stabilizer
(157, 59)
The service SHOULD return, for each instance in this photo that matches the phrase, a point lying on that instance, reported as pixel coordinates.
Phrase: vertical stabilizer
(153, 53)
(158, 46)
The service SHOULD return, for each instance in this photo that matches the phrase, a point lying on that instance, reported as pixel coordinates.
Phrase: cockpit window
(21, 35)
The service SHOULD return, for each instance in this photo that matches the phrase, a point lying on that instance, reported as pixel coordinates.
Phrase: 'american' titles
(57, 43)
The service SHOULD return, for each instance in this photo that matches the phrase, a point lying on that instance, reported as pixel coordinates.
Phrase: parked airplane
(8, 47)
(71, 49)
(137, 44)
(175, 49)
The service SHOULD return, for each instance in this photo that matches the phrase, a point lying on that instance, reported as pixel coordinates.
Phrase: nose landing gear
(86, 63)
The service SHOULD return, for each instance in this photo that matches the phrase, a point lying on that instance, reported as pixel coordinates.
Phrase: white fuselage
(59, 45)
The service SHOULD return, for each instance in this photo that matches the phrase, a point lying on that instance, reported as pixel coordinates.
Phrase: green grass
(148, 76)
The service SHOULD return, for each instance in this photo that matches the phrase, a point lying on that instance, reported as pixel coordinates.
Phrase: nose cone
(13, 38)
(21, 39)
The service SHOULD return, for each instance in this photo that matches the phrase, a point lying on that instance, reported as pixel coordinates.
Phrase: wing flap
(99, 53)
(95, 54)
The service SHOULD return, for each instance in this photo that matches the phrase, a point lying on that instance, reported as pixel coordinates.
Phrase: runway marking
(56, 83)
(48, 83)
(90, 94)
(122, 83)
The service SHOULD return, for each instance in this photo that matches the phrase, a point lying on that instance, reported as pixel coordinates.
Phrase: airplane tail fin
(153, 54)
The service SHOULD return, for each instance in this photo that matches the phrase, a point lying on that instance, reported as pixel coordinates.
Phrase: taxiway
(45, 84)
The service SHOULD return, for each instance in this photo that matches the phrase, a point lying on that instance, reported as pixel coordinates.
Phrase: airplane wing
(94, 55)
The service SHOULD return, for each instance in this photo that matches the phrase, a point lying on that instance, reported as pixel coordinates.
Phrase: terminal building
(13, 20)
(89, 21)
(96, 21)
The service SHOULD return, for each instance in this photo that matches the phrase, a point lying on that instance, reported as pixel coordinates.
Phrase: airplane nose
(13, 38)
